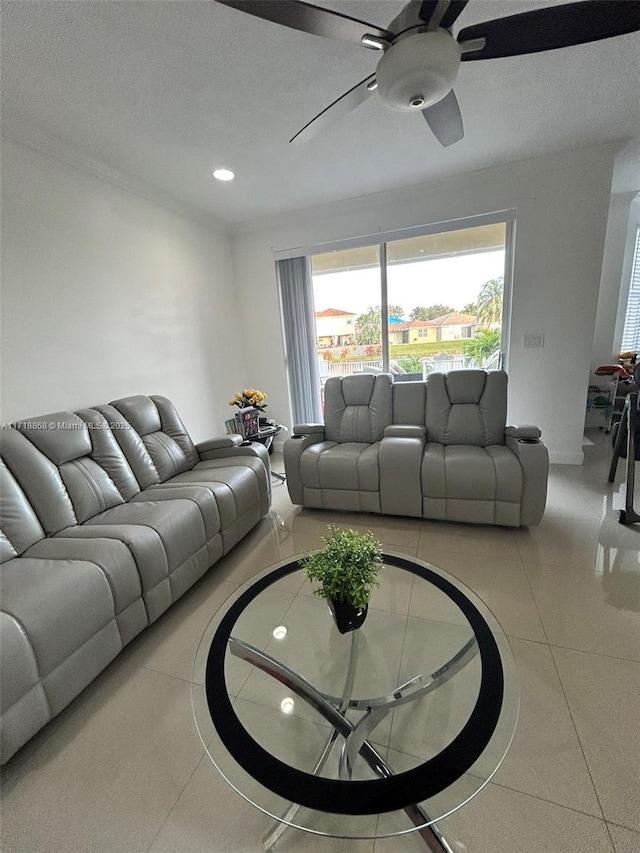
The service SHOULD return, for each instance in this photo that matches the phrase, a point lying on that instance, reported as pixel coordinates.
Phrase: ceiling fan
(421, 57)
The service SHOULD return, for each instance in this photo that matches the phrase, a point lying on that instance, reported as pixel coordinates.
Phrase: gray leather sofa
(108, 516)
(437, 449)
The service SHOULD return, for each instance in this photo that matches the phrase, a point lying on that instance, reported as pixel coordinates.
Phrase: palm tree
(489, 304)
(484, 343)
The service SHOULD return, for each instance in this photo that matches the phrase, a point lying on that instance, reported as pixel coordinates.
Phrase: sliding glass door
(414, 304)
(445, 295)
(346, 293)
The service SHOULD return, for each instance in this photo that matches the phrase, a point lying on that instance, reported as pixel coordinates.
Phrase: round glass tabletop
(373, 733)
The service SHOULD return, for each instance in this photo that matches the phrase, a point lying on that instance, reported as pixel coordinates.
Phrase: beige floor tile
(545, 758)
(597, 611)
(472, 539)
(502, 585)
(602, 693)
(308, 527)
(624, 840)
(564, 499)
(106, 780)
(565, 541)
(170, 644)
(499, 820)
(394, 593)
(210, 817)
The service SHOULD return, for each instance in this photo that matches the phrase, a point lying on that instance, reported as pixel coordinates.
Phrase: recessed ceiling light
(223, 175)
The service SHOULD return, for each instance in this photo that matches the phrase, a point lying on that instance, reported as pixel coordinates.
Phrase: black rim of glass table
(371, 796)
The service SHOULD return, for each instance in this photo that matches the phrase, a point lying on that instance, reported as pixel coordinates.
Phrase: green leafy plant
(347, 567)
(482, 345)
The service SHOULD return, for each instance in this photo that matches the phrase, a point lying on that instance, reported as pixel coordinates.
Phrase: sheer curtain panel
(296, 298)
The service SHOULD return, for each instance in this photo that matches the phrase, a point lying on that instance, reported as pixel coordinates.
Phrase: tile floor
(122, 769)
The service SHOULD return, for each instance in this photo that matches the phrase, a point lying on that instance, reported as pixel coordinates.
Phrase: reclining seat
(337, 466)
(161, 454)
(75, 497)
(59, 622)
(474, 468)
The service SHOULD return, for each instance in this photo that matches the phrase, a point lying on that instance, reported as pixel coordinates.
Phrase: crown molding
(18, 131)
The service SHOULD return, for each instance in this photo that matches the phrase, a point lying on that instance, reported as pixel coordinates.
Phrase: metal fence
(442, 363)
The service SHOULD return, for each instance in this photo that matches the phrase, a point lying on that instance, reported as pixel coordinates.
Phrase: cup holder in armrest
(303, 435)
(529, 441)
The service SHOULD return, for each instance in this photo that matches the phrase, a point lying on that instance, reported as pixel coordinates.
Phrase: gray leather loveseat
(108, 516)
(437, 449)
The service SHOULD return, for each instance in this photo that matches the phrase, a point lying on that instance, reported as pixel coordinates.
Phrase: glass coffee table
(375, 733)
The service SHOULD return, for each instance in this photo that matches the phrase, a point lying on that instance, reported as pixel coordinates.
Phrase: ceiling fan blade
(451, 15)
(552, 27)
(433, 13)
(310, 19)
(343, 105)
(445, 120)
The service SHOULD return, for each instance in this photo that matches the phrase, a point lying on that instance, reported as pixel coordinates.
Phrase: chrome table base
(355, 735)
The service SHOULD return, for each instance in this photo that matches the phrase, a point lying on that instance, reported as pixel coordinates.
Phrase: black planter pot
(347, 616)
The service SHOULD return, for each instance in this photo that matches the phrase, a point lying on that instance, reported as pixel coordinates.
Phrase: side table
(266, 436)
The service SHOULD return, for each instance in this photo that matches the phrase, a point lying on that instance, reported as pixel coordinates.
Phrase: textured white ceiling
(165, 91)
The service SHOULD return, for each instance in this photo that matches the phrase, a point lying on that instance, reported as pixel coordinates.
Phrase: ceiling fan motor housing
(418, 70)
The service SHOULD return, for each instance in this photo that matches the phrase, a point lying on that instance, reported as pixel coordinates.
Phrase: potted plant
(347, 571)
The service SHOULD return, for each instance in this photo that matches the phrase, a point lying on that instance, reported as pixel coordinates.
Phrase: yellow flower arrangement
(249, 397)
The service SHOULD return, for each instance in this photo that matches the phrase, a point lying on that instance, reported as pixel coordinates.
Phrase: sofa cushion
(165, 437)
(456, 476)
(350, 466)
(466, 407)
(65, 440)
(21, 527)
(61, 604)
(116, 562)
(40, 480)
(61, 436)
(357, 408)
(23, 703)
(409, 403)
(106, 451)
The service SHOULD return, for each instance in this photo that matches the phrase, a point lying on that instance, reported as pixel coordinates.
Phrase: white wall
(561, 204)
(106, 294)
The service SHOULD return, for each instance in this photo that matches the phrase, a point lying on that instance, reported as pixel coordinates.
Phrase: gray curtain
(296, 298)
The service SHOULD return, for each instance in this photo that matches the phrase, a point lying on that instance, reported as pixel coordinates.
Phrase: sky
(453, 281)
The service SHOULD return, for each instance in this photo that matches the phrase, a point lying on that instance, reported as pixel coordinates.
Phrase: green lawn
(430, 348)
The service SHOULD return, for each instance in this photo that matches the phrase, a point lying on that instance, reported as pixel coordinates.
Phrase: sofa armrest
(308, 429)
(405, 431)
(217, 443)
(534, 461)
(522, 431)
(400, 460)
(293, 449)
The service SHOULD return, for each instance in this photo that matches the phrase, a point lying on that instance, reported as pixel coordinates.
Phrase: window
(410, 302)
(631, 334)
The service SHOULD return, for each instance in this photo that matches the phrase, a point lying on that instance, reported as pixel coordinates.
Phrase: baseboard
(566, 458)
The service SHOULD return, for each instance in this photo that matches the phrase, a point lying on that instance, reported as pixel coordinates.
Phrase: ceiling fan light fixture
(419, 68)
